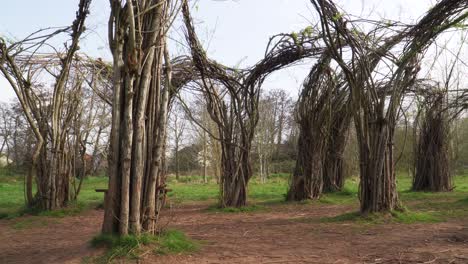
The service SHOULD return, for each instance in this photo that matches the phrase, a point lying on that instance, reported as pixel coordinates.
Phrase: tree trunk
(205, 179)
(333, 173)
(50, 124)
(236, 173)
(139, 118)
(377, 188)
(307, 179)
(432, 169)
(313, 114)
(261, 171)
(177, 160)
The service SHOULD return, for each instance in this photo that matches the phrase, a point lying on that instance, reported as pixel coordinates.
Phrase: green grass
(404, 217)
(196, 190)
(348, 195)
(420, 207)
(272, 191)
(12, 201)
(424, 206)
(175, 242)
(131, 247)
(120, 247)
(411, 217)
(11, 195)
(182, 192)
(71, 210)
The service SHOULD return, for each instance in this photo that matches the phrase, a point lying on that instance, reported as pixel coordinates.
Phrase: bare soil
(289, 233)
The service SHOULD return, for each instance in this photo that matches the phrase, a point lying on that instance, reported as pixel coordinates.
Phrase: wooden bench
(163, 188)
(102, 191)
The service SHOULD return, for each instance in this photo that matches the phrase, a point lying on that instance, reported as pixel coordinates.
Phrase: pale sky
(233, 31)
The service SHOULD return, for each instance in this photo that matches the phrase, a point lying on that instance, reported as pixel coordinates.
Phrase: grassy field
(12, 199)
(426, 207)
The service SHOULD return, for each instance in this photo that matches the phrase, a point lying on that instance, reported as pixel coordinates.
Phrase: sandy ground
(282, 234)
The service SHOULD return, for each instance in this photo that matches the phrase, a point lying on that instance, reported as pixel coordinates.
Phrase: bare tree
(263, 143)
(209, 157)
(432, 170)
(281, 106)
(49, 115)
(232, 97)
(204, 138)
(313, 116)
(16, 135)
(376, 102)
(334, 165)
(142, 86)
(177, 125)
(8, 128)
(275, 109)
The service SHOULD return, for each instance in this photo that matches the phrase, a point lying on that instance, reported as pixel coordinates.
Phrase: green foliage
(460, 25)
(308, 31)
(355, 32)
(337, 16)
(168, 242)
(295, 37)
(304, 33)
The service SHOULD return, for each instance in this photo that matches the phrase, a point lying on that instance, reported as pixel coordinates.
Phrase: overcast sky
(234, 32)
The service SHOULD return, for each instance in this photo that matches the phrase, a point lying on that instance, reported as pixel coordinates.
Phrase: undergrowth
(133, 247)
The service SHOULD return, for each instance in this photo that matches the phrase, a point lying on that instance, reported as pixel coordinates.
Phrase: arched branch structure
(340, 122)
(232, 97)
(431, 167)
(375, 112)
(313, 112)
(50, 115)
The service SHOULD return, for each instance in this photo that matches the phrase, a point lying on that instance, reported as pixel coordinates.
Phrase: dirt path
(282, 234)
